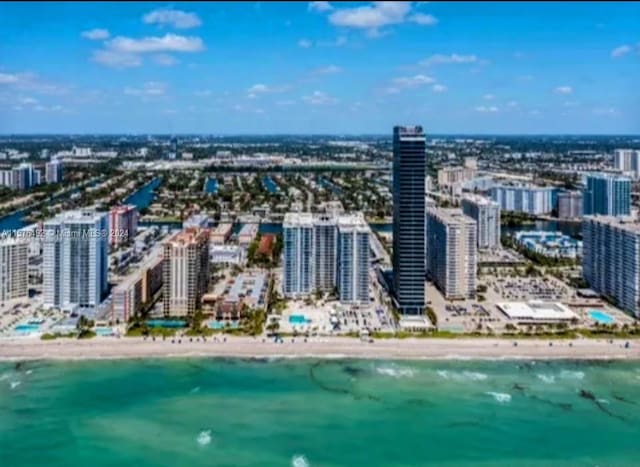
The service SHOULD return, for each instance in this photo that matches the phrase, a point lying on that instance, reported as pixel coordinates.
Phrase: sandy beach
(320, 347)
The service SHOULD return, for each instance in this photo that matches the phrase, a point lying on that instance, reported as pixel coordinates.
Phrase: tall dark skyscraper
(409, 165)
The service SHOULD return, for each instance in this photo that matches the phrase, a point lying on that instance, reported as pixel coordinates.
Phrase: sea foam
(204, 437)
(299, 461)
(395, 371)
(549, 379)
(501, 397)
(15, 384)
(462, 376)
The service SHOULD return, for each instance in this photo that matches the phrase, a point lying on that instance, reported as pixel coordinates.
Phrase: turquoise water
(211, 186)
(143, 197)
(166, 323)
(222, 325)
(299, 319)
(27, 328)
(601, 317)
(216, 412)
(269, 184)
(103, 331)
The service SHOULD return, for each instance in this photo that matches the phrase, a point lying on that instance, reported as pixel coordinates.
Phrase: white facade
(486, 213)
(53, 171)
(528, 199)
(353, 259)
(627, 161)
(75, 259)
(611, 259)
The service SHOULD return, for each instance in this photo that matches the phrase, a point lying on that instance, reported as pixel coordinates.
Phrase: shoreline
(110, 348)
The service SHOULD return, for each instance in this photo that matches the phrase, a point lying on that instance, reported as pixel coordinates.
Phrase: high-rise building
(53, 171)
(607, 195)
(611, 259)
(185, 271)
(75, 259)
(452, 252)
(486, 213)
(325, 246)
(623, 159)
(13, 268)
(570, 205)
(22, 177)
(298, 248)
(448, 176)
(123, 224)
(409, 166)
(353, 259)
(528, 199)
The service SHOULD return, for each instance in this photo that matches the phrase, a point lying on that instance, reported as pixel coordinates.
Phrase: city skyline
(319, 68)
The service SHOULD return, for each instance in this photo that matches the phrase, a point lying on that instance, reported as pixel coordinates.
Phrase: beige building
(221, 233)
(449, 176)
(452, 252)
(185, 271)
(13, 268)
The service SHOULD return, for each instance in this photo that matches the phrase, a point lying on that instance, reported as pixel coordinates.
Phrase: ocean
(234, 412)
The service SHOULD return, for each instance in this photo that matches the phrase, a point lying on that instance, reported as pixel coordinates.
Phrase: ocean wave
(572, 374)
(4, 376)
(204, 437)
(15, 384)
(194, 390)
(28, 372)
(603, 401)
(549, 379)
(462, 375)
(299, 461)
(501, 397)
(396, 371)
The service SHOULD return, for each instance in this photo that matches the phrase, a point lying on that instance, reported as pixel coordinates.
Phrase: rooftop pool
(601, 317)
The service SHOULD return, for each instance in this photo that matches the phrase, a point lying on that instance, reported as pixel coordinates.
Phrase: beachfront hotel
(409, 166)
(75, 260)
(611, 259)
(353, 259)
(13, 268)
(298, 261)
(185, 271)
(326, 251)
(452, 252)
(486, 213)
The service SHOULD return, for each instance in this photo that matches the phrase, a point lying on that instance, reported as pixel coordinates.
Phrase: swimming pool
(222, 325)
(25, 329)
(601, 317)
(298, 319)
(166, 323)
(103, 331)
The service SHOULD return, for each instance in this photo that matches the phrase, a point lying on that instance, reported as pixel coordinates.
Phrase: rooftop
(451, 216)
(298, 219)
(480, 200)
(626, 223)
(189, 235)
(536, 311)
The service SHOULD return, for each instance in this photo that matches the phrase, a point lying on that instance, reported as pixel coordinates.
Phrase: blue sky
(319, 67)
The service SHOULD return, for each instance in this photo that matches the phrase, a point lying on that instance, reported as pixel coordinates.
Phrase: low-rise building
(247, 234)
(220, 235)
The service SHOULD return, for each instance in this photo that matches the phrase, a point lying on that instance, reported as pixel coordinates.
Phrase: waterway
(143, 197)
(211, 186)
(269, 184)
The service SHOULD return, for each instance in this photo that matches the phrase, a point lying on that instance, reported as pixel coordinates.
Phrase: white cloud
(8, 78)
(512, 104)
(304, 43)
(412, 81)
(260, 89)
(177, 18)
(489, 109)
(438, 88)
(319, 98)
(116, 59)
(621, 51)
(165, 60)
(96, 34)
(327, 70)
(563, 90)
(166, 43)
(488, 97)
(150, 88)
(606, 112)
(320, 6)
(28, 100)
(441, 59)
(423, 20)
(376, 15)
